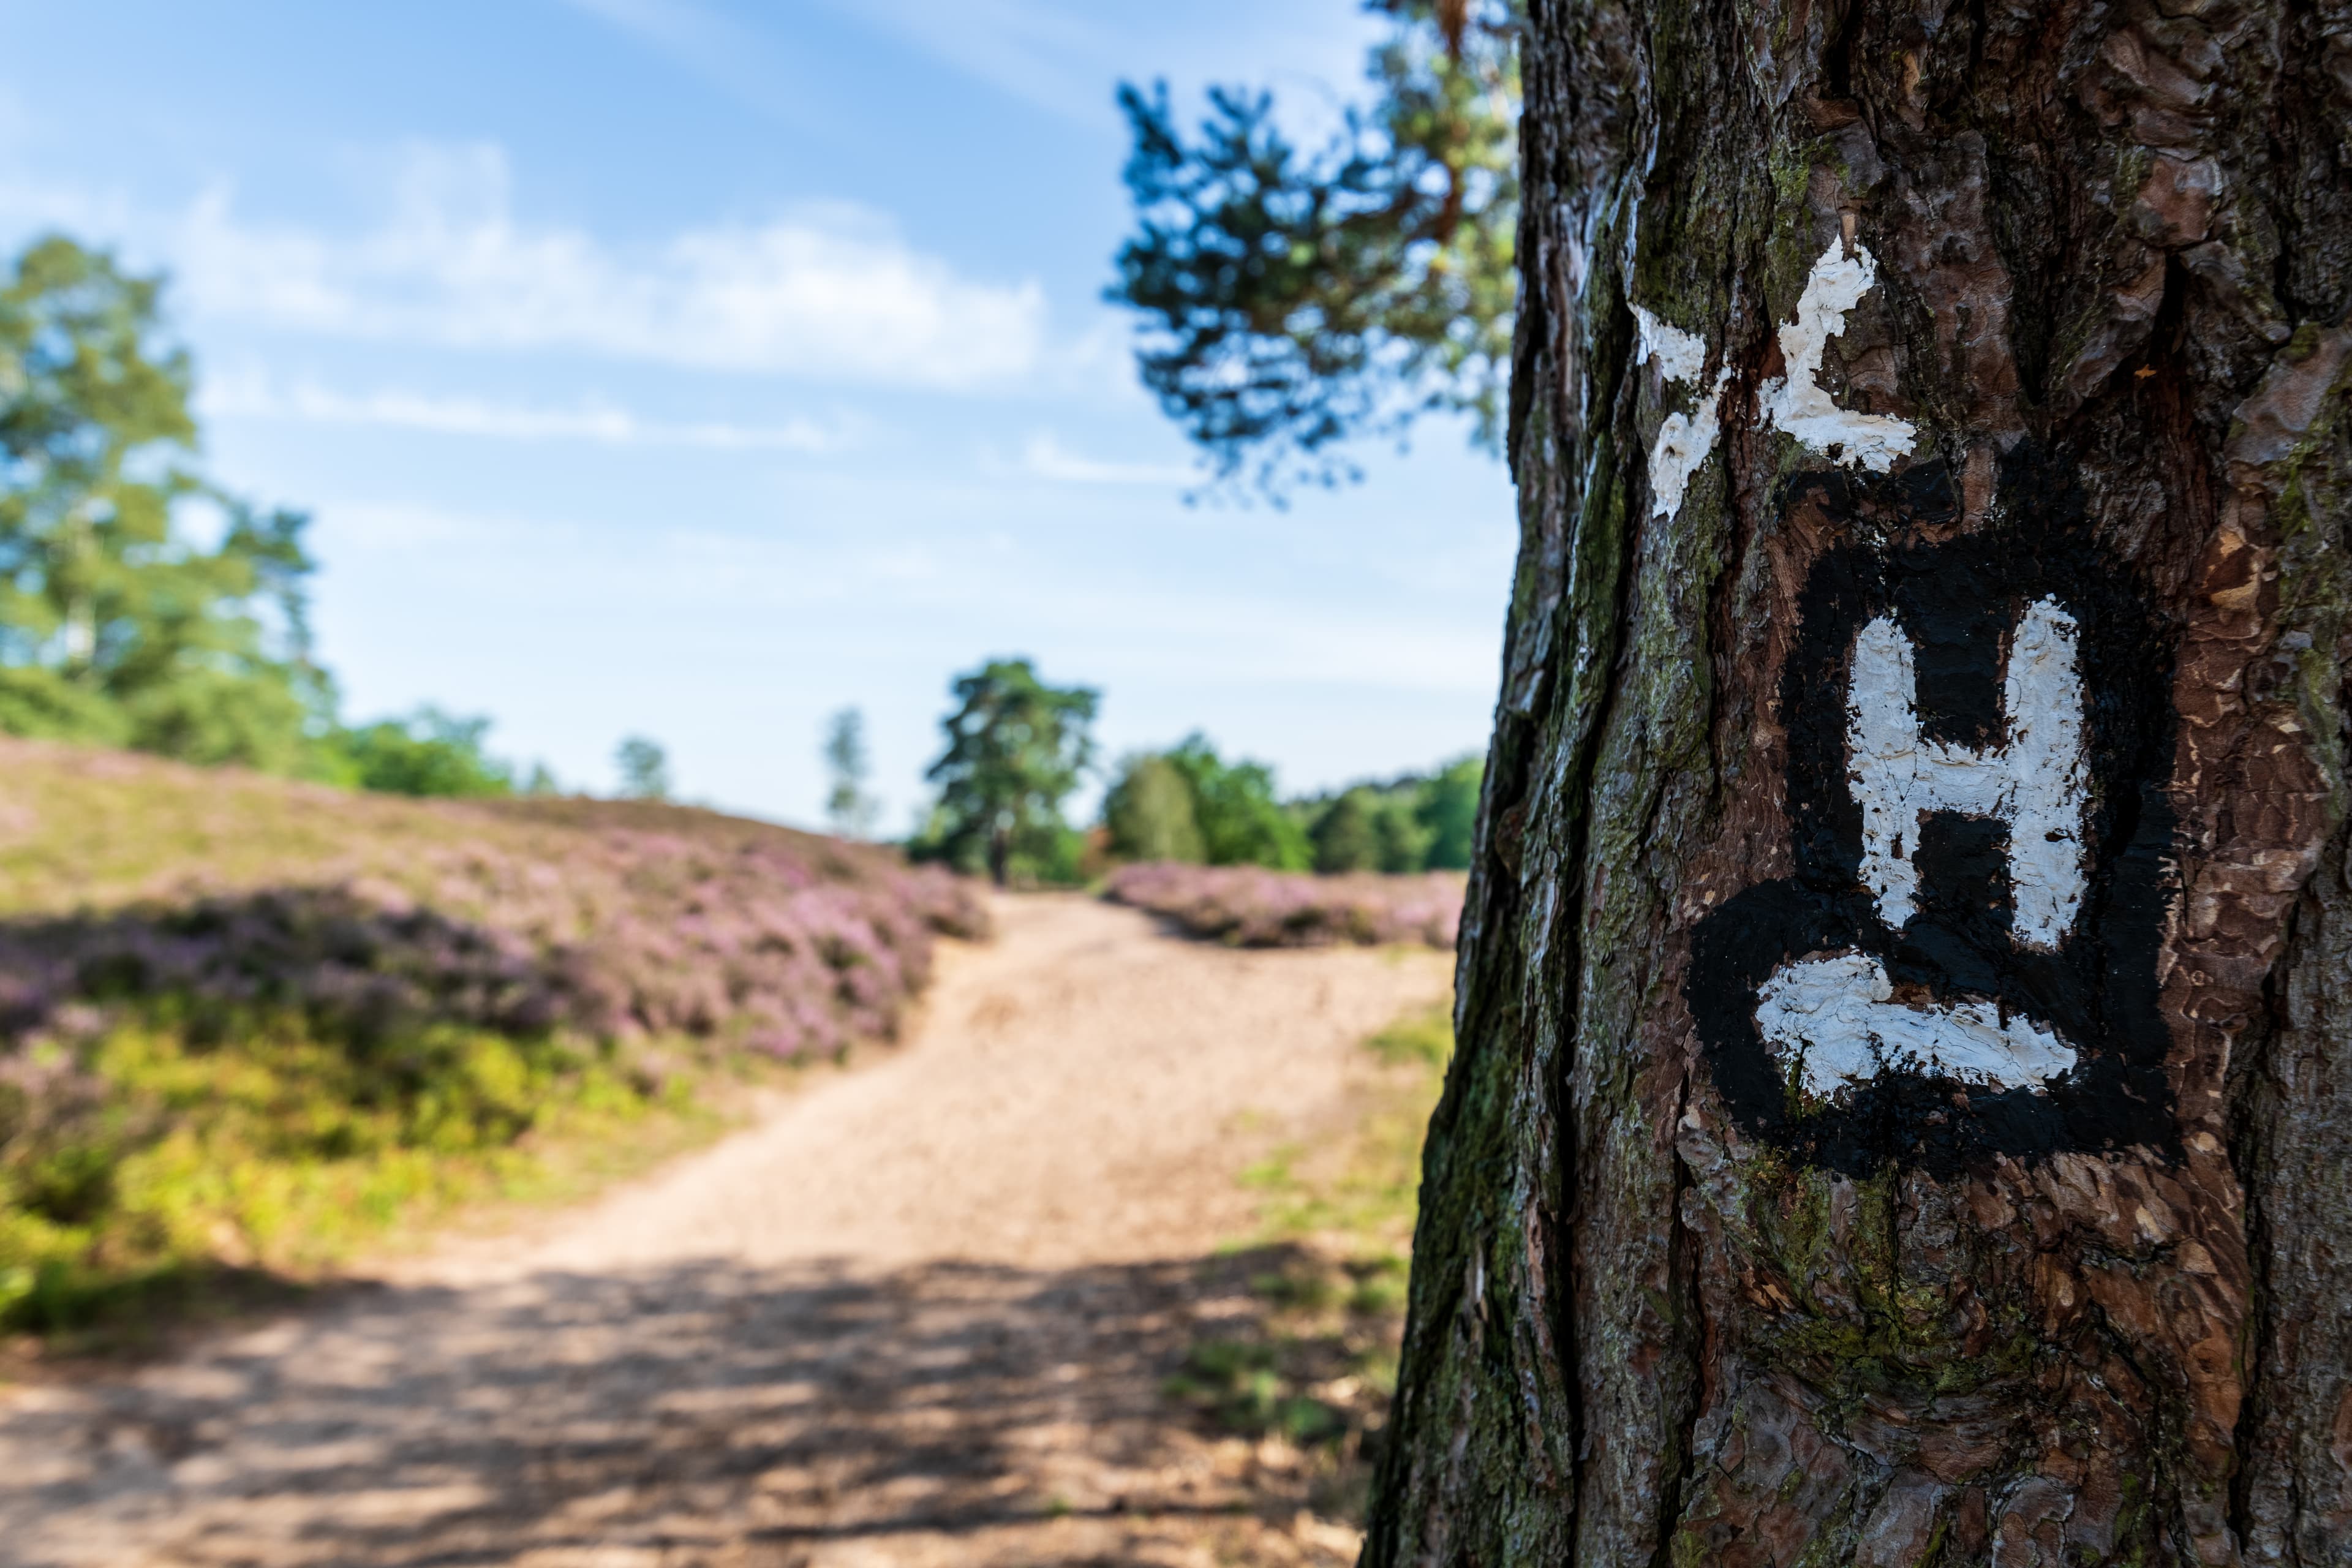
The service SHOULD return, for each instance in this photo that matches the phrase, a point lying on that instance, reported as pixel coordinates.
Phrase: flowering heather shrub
(633, 933)
(248, 1008)
(609, 920)
(1251, 907)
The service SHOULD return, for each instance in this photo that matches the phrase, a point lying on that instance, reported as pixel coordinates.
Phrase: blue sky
(695, 371)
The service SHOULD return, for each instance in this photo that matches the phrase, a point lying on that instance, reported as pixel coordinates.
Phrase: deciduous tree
(1243, 820)
(1149, 814)
(1448, 810)
(644, 767)
(1347, 837)
(116, 624)
(848, 805)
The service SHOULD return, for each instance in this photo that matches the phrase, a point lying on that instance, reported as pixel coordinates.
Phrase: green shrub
(429, 753)
(155, 1151)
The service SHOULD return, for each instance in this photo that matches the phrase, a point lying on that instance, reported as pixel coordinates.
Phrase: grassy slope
(155, 1140)
(82, 828)
(1315, 1364)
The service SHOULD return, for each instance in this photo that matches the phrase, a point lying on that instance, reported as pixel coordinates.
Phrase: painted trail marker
(2032, 780)
(1963, 961)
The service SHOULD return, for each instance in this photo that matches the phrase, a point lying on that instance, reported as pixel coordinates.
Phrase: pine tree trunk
(1903, 1108)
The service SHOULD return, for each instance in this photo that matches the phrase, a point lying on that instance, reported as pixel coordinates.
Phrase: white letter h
(2033, 781)
(1834, 1018)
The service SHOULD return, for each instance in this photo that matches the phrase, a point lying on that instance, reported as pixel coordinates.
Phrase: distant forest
(1189, 804)
(1018, 748)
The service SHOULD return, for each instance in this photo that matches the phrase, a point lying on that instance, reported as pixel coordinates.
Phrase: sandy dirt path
(918, 1314)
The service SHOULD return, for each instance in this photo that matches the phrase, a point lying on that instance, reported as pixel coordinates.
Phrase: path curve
(917, 1314)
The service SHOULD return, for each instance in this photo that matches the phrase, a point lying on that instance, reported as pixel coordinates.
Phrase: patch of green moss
(1887, 1332)
(2314, 578)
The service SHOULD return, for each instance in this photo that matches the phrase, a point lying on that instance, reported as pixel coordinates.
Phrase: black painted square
(1956, 602)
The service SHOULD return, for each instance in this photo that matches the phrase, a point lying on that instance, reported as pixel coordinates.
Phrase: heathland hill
(240, 1014)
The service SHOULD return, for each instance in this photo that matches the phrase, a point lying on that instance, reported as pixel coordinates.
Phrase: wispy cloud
(719, 50)
(825, 293)
(254, 396)
(1047, 55)
(1063, 56)
(1044, 458)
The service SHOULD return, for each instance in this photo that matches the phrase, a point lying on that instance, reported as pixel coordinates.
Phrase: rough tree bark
(1681, 1293)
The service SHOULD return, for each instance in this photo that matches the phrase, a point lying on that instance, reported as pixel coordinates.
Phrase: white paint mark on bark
(1685, 440)
(1680, 355)
(2034, 781)
(1798, 403)
(1835, 1020)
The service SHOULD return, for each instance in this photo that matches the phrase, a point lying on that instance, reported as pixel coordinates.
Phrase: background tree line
(1189, 804)
(1018, 749)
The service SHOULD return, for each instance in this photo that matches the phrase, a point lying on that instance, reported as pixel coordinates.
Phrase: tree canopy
(115, 625)
(1293, 299)
(1448, 809)
(1149, 814)
(644, 767)
(1243, 821)
(1416, 822)
(120, 626)
(1016, 748)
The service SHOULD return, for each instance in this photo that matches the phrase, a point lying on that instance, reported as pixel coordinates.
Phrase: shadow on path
(702, 1413)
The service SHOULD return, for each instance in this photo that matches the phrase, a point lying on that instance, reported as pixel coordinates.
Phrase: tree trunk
(1903, 1108)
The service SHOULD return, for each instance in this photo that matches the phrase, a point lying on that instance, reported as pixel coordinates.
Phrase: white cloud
(1044, 458)
(254, 396)
(829, 292)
